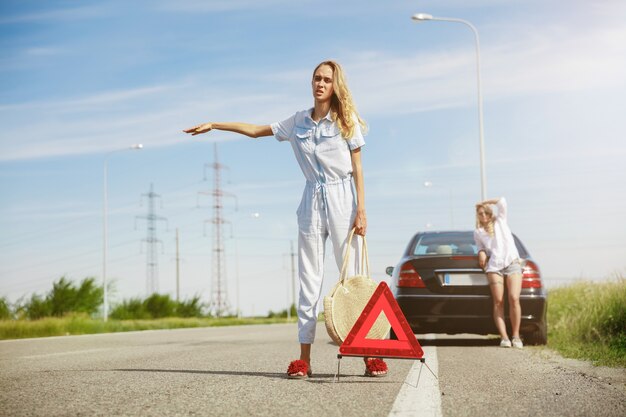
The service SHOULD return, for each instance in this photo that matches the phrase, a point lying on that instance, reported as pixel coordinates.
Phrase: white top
(500, 247)
(322, 153)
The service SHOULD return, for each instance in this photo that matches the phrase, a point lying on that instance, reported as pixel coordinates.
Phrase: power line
(152, 260)
(218, 303)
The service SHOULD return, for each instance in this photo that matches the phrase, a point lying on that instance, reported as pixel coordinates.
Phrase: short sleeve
(357, 139)
(283, 130)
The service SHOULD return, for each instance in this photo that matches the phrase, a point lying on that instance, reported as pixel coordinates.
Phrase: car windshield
(446, 243)
(452, 243)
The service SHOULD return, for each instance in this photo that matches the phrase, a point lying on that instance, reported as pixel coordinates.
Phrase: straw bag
(347, 299)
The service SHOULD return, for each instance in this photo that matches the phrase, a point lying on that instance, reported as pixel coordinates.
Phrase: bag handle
(365, 262)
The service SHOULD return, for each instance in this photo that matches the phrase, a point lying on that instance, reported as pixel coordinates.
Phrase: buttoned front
(328, 204)
(322, 153)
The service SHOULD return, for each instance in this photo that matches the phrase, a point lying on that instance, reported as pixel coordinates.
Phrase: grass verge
(82, 324)
(587, 320)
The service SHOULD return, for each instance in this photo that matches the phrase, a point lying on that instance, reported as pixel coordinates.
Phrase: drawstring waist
(321, 187)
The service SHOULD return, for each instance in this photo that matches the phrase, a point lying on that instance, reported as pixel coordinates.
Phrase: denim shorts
(514, 268)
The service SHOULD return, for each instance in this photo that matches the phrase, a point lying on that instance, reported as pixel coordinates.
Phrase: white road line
(111, 334)
(73, 352)
(423, 399)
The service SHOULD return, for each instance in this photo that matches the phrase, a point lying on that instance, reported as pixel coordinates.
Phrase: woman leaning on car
(498, 256)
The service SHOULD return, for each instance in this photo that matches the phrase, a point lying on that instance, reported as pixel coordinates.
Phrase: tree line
(86, 297)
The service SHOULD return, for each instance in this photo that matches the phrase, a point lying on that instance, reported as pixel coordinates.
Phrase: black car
(441, 289)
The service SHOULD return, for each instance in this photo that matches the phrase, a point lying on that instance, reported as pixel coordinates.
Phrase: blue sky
(81, 79)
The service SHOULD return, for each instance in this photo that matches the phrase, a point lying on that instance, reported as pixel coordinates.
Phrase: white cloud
(42, 51)
(30, 57)
(77, 104)
(202, 6)
(557, 59)
(548, 62)
(154, 116)
(76, 13)
(553, 61)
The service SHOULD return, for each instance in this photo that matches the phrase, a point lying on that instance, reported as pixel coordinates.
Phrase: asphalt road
(241, 371)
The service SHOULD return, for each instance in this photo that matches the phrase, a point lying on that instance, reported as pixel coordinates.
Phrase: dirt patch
(607, 374)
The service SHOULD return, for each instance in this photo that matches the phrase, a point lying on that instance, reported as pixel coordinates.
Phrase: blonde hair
(487, 208)
(342, 108)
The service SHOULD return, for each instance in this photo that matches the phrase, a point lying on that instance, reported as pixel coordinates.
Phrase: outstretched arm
(253, 131)
(360, 221)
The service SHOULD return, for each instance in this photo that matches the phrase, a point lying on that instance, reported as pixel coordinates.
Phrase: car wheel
(538, 337)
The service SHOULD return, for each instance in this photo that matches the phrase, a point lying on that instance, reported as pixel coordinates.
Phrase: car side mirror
(389, 270)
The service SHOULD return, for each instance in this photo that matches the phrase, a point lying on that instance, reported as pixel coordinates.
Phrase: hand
(196, 130)
(360, 223)
(482, 259)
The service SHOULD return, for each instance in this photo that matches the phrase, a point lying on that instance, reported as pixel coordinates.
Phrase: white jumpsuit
(328, 205)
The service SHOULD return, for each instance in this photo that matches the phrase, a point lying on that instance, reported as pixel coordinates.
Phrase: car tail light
(409, 277)
(531, 278)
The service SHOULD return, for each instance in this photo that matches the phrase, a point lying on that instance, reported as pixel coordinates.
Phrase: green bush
(156, 306)
(65, 297)
(35, 308)
(588, 321)
(131, 309)
(89, 297)
(5, 309)
(159, 306)
(62, 298)
(189, 308)
(283, 313)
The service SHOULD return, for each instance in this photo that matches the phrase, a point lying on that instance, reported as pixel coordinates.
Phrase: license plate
(464, 279)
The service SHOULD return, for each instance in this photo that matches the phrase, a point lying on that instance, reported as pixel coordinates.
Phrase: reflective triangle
(382, 302)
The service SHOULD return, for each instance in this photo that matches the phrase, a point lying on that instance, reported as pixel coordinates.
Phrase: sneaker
(517, 343)
(505, 343)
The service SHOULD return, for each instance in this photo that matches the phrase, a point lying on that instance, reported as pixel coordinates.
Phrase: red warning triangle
(356, 343)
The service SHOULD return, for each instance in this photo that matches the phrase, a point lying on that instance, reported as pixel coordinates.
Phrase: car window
(446, 243)
(453, 243)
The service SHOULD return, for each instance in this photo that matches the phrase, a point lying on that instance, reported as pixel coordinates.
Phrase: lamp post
(104, 228)
(423, 17)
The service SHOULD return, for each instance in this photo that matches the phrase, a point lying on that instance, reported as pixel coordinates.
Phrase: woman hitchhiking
(499, 258)
(327, 141)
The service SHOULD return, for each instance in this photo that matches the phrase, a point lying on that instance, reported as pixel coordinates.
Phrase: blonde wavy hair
(342, 108)
(487, 208)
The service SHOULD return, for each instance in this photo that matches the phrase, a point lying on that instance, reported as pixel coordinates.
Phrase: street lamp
(104, 227)
(423, 17)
